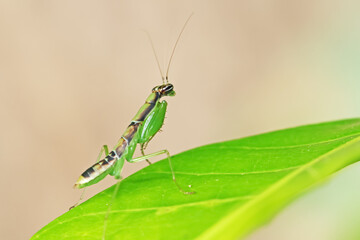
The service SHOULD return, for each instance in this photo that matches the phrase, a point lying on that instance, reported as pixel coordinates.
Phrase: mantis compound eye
(167, 87)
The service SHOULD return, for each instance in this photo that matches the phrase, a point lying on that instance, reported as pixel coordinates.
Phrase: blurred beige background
(73, 74)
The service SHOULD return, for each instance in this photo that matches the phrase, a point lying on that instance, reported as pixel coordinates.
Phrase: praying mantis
(143, 127)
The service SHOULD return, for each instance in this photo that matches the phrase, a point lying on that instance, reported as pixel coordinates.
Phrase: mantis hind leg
(104, 149)
(109, 208)
(117, 174)
(145, 157)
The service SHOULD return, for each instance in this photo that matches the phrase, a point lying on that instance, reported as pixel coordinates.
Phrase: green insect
(143, 127)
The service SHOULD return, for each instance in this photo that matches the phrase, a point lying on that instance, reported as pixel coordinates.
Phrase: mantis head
(166, 89)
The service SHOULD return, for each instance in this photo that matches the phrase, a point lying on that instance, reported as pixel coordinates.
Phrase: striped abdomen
(98, 171)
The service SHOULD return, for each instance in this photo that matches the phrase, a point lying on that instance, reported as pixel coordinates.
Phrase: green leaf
(239, 185)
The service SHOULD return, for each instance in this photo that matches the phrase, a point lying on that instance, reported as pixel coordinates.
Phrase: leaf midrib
(283, 146)
(226, 173)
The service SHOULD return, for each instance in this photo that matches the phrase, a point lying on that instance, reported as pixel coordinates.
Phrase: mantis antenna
(156, 57)
(173, 51)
